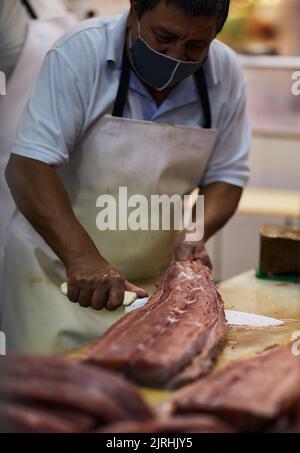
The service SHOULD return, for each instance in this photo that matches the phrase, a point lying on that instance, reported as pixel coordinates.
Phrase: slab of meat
(251, 395)
(18, 418)
(175, 338)
(37, 393)
(186, 424)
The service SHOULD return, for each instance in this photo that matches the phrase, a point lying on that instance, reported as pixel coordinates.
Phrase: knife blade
(234, 318)
(239, 318)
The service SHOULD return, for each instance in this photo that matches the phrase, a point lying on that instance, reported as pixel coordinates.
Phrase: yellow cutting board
(242, 343)
(245, 293)
(270, 298)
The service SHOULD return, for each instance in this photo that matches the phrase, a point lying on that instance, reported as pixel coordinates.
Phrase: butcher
(150, 101)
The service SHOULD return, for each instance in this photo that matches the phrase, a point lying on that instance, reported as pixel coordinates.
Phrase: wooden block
(280, 250)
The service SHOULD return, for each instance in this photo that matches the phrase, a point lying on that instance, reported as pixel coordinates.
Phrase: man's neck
(158, 96)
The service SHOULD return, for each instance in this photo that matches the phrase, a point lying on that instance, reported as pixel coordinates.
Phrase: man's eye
(197, 46)
(164, 39)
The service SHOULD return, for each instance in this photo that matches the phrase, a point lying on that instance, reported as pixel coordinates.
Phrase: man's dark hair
(218, 8)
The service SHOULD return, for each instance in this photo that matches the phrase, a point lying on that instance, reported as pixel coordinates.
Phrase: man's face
(170, 31)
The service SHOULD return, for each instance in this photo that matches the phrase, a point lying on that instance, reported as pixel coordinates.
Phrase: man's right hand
(92, 282)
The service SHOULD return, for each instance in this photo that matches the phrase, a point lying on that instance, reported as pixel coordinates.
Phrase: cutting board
(245, 293)
(242, 343)
(275, 299)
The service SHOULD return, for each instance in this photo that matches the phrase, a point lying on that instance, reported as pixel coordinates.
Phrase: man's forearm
(221, 202)
(41, 197)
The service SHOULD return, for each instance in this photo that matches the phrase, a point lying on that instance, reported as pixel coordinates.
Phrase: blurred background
(268, 27)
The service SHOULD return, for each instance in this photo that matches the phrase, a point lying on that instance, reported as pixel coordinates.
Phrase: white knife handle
(64, 288)
(129, 297)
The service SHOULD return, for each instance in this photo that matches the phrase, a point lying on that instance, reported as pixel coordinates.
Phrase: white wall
(275, 164)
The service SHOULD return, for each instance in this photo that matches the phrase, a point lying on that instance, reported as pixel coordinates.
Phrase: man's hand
(92, 282)
(193, 251)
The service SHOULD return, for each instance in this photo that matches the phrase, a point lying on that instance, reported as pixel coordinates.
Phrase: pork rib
(175, 338)
(251, 395)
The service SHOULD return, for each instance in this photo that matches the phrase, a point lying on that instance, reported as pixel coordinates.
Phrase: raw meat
(54, 388)
(20, 418)
(193, 424)
(250, 395)
(175, 338)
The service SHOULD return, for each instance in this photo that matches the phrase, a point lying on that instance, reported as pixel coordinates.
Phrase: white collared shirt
(78, 84)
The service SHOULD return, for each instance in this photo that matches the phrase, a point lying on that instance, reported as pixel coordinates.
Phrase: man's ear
(132, 18)
(133, 4)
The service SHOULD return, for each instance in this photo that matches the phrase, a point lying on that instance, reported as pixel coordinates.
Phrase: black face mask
(156, 69)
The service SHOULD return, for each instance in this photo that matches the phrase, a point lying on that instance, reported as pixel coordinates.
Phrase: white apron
(149, 158)
(41, 35)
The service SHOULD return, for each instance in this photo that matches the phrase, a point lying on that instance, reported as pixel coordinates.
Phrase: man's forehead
(198, 30)
(178, 23)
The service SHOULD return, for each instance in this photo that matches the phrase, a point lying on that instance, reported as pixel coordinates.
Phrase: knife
(234, 318)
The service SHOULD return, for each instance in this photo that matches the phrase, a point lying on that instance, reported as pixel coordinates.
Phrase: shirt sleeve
(54, 115)
(229, 161)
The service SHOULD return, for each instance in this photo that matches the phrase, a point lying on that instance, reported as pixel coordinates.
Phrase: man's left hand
(192, 251)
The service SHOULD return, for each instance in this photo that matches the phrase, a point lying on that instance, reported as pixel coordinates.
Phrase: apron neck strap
(204, 96)
(124, 86)
(29, 9)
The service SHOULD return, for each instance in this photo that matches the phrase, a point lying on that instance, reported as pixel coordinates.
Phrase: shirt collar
(116, 32)
(116, 39)
(212, 66)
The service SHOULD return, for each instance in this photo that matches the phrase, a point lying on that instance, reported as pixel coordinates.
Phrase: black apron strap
(124, 86)
(29, 8)
(204, 96)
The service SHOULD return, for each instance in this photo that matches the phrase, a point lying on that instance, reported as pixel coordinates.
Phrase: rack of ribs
(174, 338)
